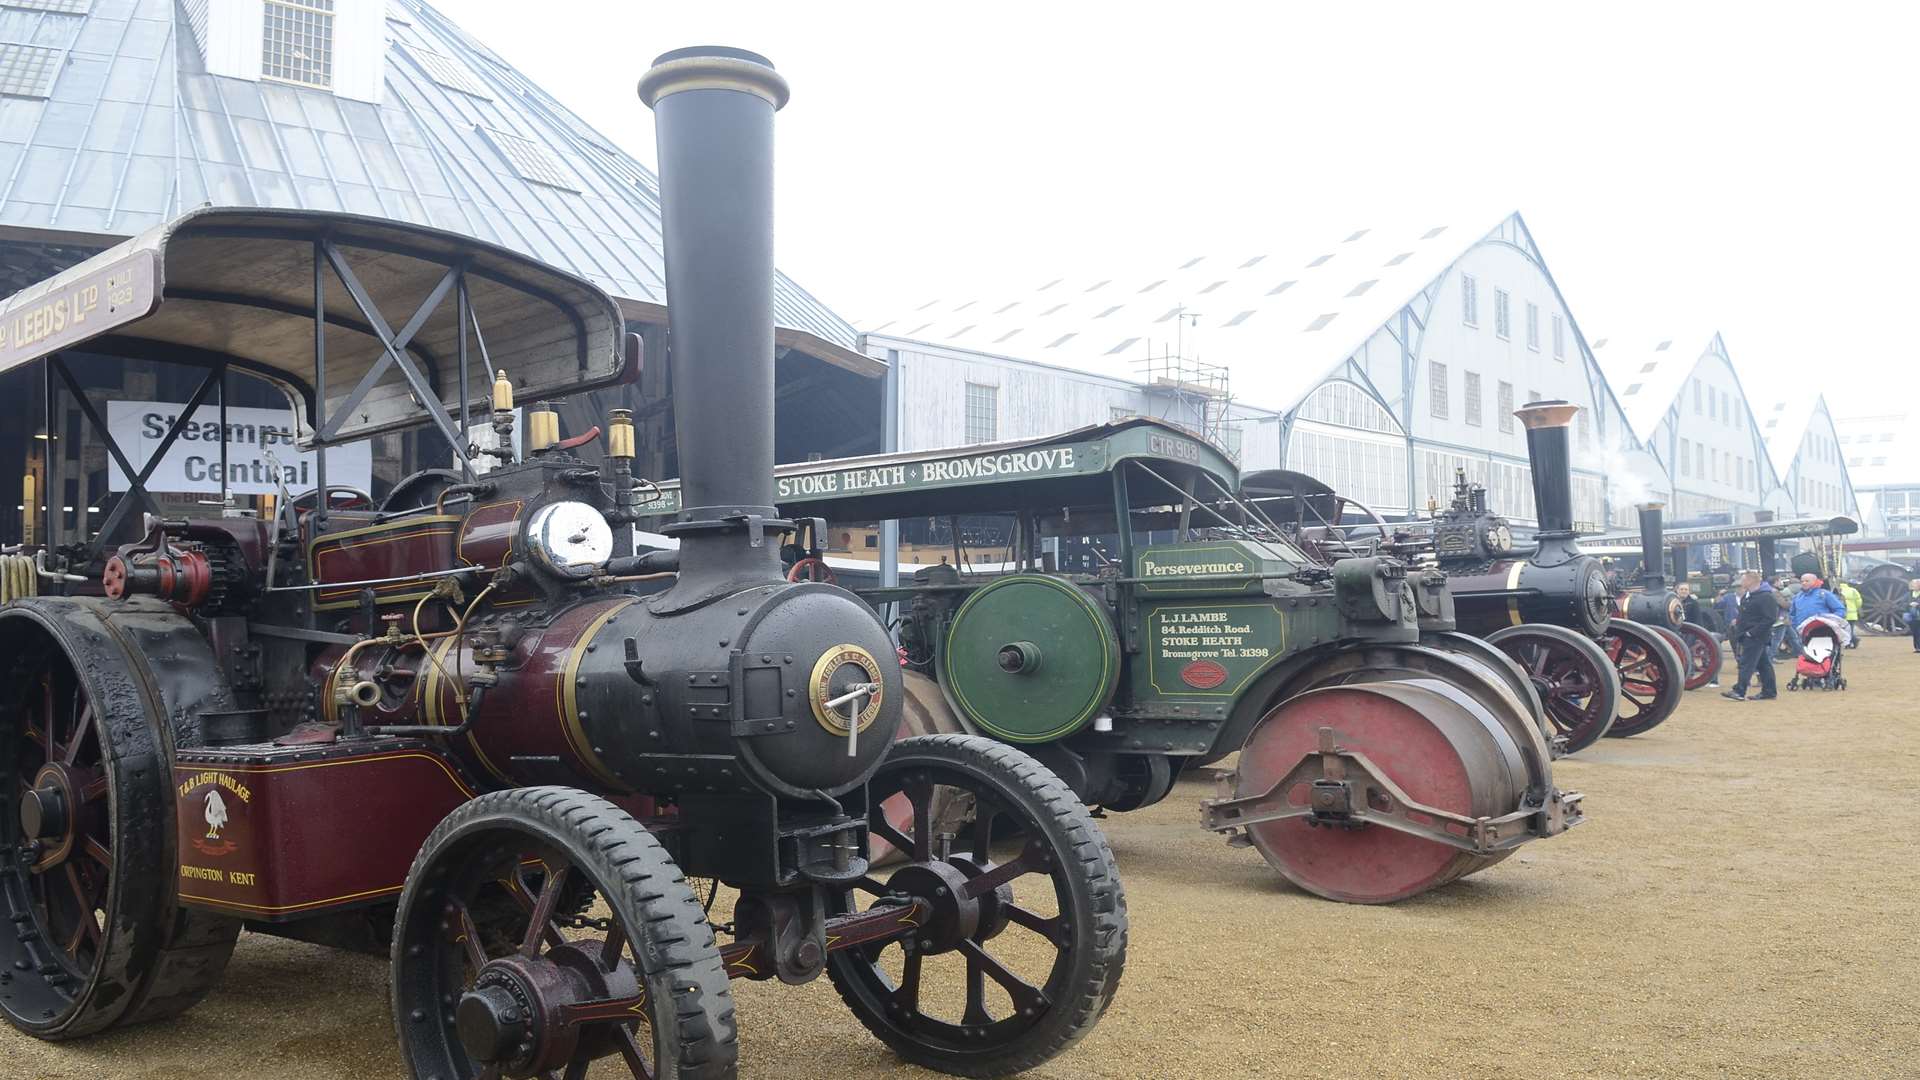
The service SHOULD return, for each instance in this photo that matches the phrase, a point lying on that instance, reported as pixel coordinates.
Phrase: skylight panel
(1122, 347)
(1062, 340)
(1433, 232)
(1255, 261)
(1191, 263)
(27, 70)
(1322, 259)
(1321, 322)
(530, 160)
(1212, 287)
(1280, 288)
(63, 7)
(448, 72)
(1238, 319)
(1357, 235)
(1361, 289)
(1400, 258)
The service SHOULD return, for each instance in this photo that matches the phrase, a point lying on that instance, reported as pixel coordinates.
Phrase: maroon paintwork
(412, 545)
(284, 832)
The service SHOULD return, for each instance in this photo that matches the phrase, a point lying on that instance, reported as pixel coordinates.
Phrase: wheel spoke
(982, 840)
(879, 826)
(907, 996)
(1025, 995)
(82, 912)
(80, 727)
(94, 788)
(577, 1068)
(525, 898)
(542, 918)
(99, 852)
(630, 1050)
(48, 713)
(1048, 928)
(919, 792)
(610, 948)
(871, 885)
(976, 1011)
(469, 936)
(1029, 861)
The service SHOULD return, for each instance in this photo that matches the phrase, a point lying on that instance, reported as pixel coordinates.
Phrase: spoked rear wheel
(1027, 939)
(1703, 655)
(1576, 681)
(1652, 676)
(93, 937)
(633, 981)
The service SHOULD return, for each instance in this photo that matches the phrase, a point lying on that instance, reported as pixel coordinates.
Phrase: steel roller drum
(1437, 744)
(1029, 659)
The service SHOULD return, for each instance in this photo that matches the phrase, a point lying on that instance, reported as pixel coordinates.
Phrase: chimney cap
(713, 67)
(1546, 414)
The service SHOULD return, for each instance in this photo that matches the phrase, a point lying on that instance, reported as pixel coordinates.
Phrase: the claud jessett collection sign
(261, 457)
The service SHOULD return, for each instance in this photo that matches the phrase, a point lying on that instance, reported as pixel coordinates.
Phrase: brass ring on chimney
(713, 73)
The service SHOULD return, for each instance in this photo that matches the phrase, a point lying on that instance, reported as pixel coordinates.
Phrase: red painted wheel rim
(1703, 655)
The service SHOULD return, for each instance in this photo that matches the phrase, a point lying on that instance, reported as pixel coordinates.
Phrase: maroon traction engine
(469, 728)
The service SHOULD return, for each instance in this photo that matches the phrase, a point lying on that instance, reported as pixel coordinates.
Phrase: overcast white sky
(1747, 167)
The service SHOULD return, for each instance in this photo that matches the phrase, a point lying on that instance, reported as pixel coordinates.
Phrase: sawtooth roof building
(117, 115)
(1805, 446)
(1380, 360)
(1882, 454)
(1684, 397)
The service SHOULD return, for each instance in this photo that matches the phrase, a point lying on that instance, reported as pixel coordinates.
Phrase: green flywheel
(1030, 658)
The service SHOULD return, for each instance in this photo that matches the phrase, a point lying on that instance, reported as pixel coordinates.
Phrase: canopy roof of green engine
(1071, 469)
(220, 285)
(1629, 543)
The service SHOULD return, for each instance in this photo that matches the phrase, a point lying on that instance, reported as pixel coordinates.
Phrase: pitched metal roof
(133, 131)
(1649, 374)
(1279, 315)
(1880, 451)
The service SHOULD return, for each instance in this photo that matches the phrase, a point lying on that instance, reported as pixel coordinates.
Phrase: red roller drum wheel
(1576, 680)
(1435, 743)
(1652, 676)
(1702, 653)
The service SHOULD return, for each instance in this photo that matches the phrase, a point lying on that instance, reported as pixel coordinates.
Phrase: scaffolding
(1189, 392)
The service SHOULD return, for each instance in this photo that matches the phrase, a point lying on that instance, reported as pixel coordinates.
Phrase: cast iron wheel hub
(993, 906)
(49, 810)
(492, 1023)
(953, 916)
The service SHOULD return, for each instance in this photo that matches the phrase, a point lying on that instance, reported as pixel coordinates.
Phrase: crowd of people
(1759, 621)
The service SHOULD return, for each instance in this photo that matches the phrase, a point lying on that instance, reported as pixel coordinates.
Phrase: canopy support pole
(136, 478)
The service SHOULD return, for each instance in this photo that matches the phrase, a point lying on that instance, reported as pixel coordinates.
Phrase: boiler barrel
(1572, 594)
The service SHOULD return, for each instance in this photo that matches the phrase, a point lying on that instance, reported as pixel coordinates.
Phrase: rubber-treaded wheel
(94, 937)
(1703, 655)
(1051, 938)
(1575, 679)
(1652, 676)
(644, 984)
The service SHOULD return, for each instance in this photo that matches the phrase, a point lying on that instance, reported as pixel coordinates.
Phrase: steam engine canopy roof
(223, 284)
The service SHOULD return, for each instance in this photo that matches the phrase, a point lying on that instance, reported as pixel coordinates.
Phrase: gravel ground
(1739, 904)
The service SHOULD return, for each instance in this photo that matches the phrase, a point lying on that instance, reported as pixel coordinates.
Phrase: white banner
(257, 440)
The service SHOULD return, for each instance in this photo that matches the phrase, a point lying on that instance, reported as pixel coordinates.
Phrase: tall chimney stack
(713, 118)
(1653, 553)
(1552, 460)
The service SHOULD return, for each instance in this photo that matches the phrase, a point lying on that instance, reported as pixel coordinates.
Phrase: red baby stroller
(1822, 639)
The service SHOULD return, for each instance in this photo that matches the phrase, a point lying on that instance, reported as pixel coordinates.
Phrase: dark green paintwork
(1070, 631)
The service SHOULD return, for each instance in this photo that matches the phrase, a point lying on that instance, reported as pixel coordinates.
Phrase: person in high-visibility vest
(1851, 596)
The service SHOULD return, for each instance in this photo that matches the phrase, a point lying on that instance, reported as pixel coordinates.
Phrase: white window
(1437, 375)
(1533, 326)
(1696, 397)
(1117, 413)
(1683, 457)
(1502, 318)
(983, 413)
(1472, 410)
(1506, 407)
(1469, 300)
(297, 42)
(1559, 338)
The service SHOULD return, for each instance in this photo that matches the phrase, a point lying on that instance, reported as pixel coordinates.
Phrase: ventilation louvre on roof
(64, 7)
(1321, 322)
(530, 161)
(447, 72)
(27, 70)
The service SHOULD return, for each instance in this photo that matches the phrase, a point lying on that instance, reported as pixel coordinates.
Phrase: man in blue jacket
(1753, 638)
(1814, 598)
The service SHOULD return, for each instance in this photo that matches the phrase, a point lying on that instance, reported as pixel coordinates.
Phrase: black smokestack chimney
(1552, 459)
(1653, 553)
(713, 118)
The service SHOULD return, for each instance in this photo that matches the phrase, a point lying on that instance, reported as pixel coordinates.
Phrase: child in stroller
(1822, 637)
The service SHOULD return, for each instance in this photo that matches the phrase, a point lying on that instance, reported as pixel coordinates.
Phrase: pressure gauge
(571, 539)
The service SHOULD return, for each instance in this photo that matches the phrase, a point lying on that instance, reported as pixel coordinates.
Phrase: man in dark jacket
(1753, 637)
